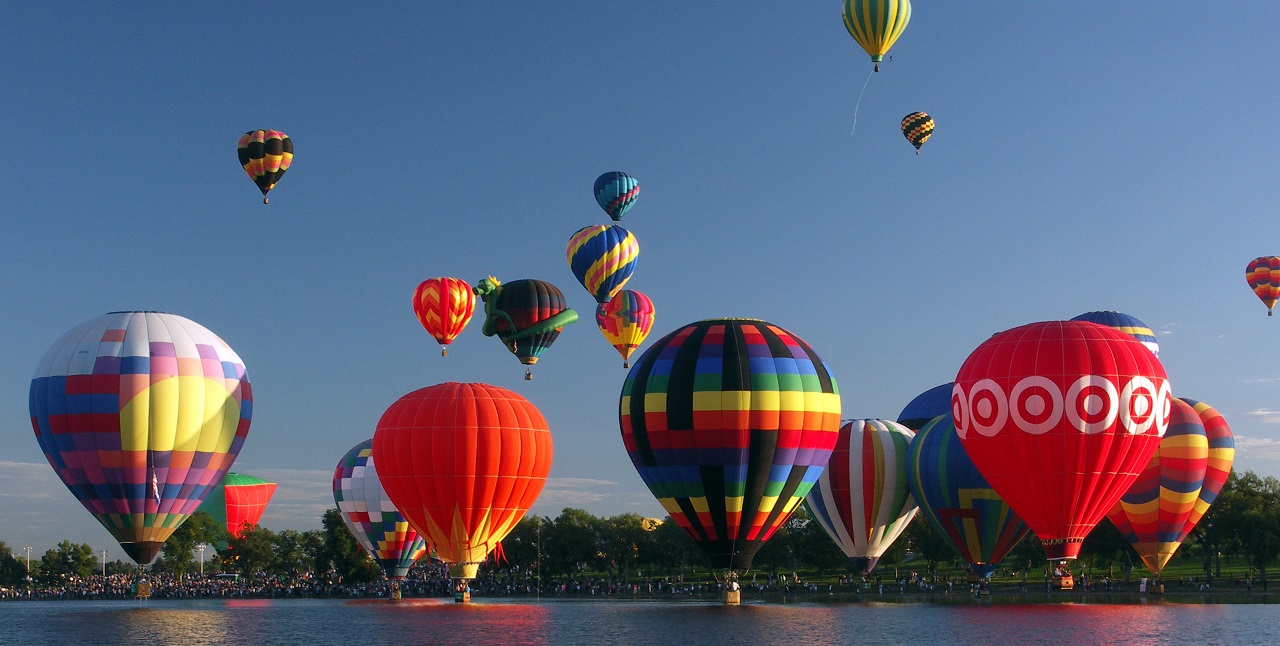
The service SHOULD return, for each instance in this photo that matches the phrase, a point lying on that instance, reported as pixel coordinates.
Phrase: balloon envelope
(957, 501)
(625, 321)
(602, 258)
(729, 422)
(444, 307)
(141, 414)
(1060, 417)
(862, 498)
(1154, 515)
(1263, 276)
(926, 406)
(265, 156)
(1128, 324)
(371, 517)
(917, 127)
(463, 462)
(876, 24)
(527, 315)
(238, 502)
(616, 192)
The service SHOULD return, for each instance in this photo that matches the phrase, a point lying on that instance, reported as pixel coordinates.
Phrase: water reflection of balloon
(444, 307)
(602, 258)
(616, 193)
(1128, 324)
(1060, 417)
(957, 501)
(1263, 275)
(140, 414)
(370, 515)
(729, 422)
(463, 462)
(625, 321)
(265, 156)
(862, 498)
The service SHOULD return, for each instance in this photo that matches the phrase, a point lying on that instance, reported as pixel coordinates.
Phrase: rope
(859, 104)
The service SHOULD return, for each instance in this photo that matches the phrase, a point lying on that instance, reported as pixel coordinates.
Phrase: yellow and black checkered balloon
(917, 127)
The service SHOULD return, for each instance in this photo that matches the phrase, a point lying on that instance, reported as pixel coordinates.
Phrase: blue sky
(1088, 155)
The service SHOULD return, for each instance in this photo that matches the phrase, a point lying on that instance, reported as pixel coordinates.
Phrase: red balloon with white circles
(1061, 417)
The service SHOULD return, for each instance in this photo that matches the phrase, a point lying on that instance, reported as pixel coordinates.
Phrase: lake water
(440, 621)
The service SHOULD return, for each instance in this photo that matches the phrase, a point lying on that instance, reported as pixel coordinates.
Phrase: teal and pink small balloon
(616, 192)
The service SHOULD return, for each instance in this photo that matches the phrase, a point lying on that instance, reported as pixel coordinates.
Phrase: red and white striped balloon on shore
(1060, 417)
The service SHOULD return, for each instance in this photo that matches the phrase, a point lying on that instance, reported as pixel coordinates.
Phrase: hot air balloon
(527, 315)
(1153, 514)
(602, 258)
(862, 499)
(371, 517)
(876, 24)
(1128, 324)
(917, 127)
(238, 502)
(1222, 453)
(444, 307)
(625, 321)
(265, 156)
(729, 422)
(463, 462)
(926, 406)
(140, 414)
(1263, 275)
(957, 501)
(616, 192)
(1060, 417)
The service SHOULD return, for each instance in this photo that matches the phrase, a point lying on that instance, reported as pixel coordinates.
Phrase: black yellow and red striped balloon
(917, 127)
(265, 156)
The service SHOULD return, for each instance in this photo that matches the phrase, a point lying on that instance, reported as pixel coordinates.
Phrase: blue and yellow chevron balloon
(602, 257)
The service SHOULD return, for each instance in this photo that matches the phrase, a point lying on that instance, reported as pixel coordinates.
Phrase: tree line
(1243, 524)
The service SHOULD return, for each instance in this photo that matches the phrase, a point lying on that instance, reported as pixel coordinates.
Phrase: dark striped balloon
(917, 127)
(730, 422)
(957, 501)
(616, 192)
(530, 304)
(265, 156)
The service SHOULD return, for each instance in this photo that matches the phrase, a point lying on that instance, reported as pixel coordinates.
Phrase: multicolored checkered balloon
(374, 521)
(140, 414)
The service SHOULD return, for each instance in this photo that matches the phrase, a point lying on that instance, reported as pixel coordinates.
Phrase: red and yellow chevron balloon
(625, 321)
(1263, 275)
(444, 307)
(265, 156)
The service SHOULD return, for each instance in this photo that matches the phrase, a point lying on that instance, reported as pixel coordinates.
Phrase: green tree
(818, 549)
(521, 546)
(627, 541)
(291, 553)
(179, 550)
(1106, 547)
(927, 543)
(676, 550)
(1247, 512)
(342, 555)
(68, 559)
(253, 551)
(573, 543)
(12, 571)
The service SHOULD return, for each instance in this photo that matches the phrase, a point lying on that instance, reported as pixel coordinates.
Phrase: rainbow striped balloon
(141, 414)
(1263, 275)
(862, 499)
(602, 257)
(371, 517)
(1222, 453)
(957, 501)
(1154, 515)
(729, 422)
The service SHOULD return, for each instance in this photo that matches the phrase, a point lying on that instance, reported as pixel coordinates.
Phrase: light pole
(104, 564)
(200, 548)
(28, 563)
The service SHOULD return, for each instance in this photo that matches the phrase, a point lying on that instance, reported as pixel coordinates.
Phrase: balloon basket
(731, 597)
(1156, 589)
(462, 597)
(1064, 582)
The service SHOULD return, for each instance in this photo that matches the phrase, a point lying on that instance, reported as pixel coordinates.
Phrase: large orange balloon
(463, 463)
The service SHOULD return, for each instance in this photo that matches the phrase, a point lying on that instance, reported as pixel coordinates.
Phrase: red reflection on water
(248, 603)
(1114, 623)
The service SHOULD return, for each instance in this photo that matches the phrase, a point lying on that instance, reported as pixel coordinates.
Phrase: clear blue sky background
(1088, 155)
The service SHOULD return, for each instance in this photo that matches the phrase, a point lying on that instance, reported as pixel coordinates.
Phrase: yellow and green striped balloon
(876, 24)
